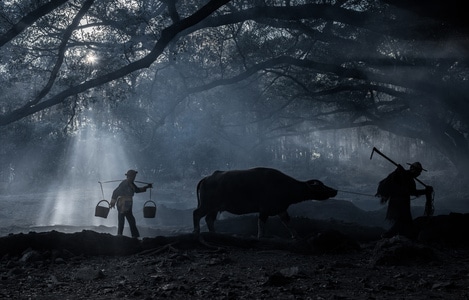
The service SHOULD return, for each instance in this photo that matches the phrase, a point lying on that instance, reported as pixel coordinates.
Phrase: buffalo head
(319, 191)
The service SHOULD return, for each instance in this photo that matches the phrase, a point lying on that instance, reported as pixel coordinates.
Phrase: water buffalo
(265, 191)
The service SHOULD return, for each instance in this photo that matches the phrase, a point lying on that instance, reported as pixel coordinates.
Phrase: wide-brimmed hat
(131, 172)
(417, 165)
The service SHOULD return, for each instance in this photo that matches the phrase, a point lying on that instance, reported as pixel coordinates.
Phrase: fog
(311, 99)
(92, 162)
(54, 178)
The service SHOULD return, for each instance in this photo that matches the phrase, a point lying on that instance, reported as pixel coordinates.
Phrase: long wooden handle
(393, 162)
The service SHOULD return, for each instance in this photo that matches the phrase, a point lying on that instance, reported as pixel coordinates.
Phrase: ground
(339, 255)
(236, 274)
(329, 265)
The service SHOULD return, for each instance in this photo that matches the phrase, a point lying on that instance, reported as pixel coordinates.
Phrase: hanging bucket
(149, 211)
(102, 211)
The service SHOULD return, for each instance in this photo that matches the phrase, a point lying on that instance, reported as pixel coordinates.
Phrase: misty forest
(179, 89)
(341, 91)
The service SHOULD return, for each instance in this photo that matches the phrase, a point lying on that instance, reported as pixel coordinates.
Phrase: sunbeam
(90, 157)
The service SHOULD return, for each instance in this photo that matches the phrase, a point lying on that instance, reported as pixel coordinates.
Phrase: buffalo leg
(210, 220)
(261, 225)
(285, 218)
(197, 215)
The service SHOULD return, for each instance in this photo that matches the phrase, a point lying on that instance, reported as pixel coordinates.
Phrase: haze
(307, 88)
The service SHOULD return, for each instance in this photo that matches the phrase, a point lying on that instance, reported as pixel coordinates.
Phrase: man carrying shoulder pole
(122, 197)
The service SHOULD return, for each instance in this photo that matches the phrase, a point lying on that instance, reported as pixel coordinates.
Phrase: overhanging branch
(167, 35)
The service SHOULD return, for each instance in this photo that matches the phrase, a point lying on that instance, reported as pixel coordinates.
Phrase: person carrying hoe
(396, 190)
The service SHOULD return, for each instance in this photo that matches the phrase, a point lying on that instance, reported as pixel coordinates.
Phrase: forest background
(178, 89)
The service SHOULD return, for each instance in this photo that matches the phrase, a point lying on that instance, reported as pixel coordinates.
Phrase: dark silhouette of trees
(396, 65)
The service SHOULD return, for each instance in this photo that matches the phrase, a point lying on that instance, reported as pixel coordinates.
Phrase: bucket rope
(118, 180)
(109, 181)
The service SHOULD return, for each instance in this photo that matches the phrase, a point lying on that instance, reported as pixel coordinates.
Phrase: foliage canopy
(289, 67)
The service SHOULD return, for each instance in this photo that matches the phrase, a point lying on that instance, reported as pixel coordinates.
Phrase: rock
(333, 241)
(400, 250)
(278, 279)
(59, 260)
(15, 271)
(451, 230)
(88, 274)
(30, 256)
(290, 272)
(442, 285)
(284, 276)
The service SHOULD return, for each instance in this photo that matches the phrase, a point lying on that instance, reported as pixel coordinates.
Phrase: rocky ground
(328, 264)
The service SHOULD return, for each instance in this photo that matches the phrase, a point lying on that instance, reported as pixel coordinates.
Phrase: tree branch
(60, 56)
(29, 19)
(166, 36)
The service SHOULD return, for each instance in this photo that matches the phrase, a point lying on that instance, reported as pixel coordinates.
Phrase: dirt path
(386, 269)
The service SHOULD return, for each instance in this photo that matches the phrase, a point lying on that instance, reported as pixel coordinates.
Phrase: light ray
(90, 158)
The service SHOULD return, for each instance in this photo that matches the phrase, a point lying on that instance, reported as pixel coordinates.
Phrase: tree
(41, 102)
(319, 64)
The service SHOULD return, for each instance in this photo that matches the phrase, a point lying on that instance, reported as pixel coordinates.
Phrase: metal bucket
(102, 211)
(149, 211)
